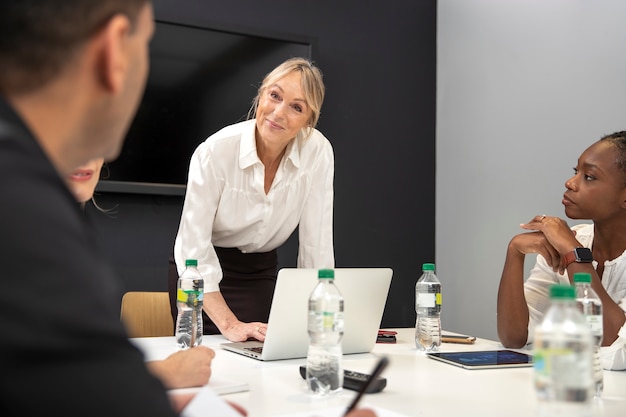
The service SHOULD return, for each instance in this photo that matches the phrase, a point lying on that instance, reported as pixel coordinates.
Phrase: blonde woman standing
(250, 186)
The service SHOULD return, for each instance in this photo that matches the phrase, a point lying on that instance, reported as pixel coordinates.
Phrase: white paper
(219, 385)
(207, 402)
(338, 412)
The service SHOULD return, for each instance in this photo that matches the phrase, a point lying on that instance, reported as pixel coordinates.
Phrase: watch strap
(573, 256)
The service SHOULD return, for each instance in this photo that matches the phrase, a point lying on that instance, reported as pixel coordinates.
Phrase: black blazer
(63, 349)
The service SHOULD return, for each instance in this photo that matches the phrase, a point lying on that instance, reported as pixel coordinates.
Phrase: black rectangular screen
(200, 81)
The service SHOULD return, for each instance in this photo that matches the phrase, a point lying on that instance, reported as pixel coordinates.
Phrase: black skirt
(247, 285)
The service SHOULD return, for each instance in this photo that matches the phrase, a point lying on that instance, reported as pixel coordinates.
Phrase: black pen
(382, 364)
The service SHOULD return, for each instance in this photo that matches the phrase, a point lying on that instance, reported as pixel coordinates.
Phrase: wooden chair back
(147, 314)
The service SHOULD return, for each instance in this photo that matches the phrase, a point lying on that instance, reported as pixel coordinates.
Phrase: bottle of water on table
(189, 296)
(563, 358)
(324, 370)
(590, 305)
(428, 310)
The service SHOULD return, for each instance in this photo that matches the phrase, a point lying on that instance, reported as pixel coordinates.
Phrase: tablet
(484, 359)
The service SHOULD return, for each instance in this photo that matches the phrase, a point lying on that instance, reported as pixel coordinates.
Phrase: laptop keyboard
(257, 349)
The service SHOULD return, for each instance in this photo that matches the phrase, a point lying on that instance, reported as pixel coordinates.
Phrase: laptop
(364, 291)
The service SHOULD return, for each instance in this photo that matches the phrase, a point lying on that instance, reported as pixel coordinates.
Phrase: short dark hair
(618, 139)
(39, 37)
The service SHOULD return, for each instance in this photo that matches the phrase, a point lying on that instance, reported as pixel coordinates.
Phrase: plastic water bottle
(428, 310)
(189, 295)
(563, 357)
(590, 305)
(324, 370)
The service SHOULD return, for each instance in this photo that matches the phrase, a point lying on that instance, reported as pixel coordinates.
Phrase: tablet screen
(484, 359)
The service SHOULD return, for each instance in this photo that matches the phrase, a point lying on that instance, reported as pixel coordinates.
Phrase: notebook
(364, 291)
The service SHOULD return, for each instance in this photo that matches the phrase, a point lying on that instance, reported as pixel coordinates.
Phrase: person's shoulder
(231, 132)
(225, 139)
(315, 151)
(318, 136)
(584, 233)
(317, 142)
(583, 228)
(24, 166)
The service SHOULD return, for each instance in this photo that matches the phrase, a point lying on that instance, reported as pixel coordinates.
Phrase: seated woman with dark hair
(596, 191)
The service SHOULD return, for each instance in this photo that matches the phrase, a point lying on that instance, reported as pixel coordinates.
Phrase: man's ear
(113, 53)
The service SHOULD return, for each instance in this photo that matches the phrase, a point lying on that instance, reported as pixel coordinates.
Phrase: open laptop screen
(364, 291)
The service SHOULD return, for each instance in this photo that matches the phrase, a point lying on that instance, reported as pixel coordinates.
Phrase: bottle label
(561, 364)
(326, 321)
(428, 299)
(193, 298)
(595, 324)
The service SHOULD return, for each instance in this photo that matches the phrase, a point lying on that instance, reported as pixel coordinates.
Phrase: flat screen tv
(200, 80)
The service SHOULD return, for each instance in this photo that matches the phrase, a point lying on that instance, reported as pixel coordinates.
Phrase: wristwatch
(582, 255)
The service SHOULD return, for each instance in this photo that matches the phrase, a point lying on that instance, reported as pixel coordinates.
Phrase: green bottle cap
(326, 273)
(428, 267)
(562, 292)
(191, 262)
(582, 277)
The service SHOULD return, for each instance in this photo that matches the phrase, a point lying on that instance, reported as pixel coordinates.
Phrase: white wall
(524, 86)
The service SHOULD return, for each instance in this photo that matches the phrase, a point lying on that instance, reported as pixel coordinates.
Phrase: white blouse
(537, 289)
(226, 205)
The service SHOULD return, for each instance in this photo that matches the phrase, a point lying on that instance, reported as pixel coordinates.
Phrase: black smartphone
(355, 380)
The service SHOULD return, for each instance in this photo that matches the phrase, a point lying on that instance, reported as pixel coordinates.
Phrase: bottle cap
(428, 267)
(582, 277)
(326, 273)
(562, 292)
(191, 262)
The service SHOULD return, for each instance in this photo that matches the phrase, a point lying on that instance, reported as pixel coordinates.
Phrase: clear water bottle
(428, 310)
(590, 305)
(189, 295)
(324, 370)
(563, 357)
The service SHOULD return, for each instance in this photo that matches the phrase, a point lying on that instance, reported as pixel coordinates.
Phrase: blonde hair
(312, 85)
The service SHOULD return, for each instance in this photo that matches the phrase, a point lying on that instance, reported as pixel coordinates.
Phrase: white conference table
(416, 385)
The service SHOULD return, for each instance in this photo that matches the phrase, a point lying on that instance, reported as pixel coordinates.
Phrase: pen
(382, 364)
(448, 338)
(194, 327)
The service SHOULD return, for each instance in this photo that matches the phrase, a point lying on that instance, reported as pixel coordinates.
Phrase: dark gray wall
(379, 64)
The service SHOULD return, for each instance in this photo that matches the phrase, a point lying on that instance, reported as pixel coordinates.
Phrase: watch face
(583, 255)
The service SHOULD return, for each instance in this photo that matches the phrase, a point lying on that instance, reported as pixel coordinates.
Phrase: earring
(108, 173)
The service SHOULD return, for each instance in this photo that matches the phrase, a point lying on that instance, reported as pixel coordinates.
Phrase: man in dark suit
(72, 73)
